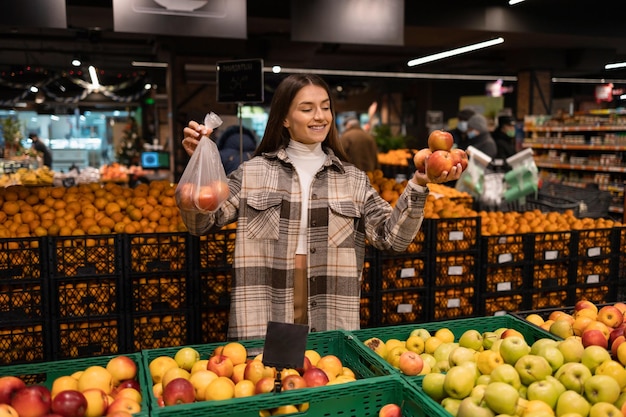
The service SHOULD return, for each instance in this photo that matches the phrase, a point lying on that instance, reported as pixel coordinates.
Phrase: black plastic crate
(369, 295)
(88, 337)
(509, 301)
(594, 243)
(157, 330)
(456, 270)
(156, 252)
(550, 247)
(591, 201)
(21, 258)
(23, 300)
(215, 287)
(161, 292)
(24, 342)
(454, 302)
(408, 305)
(213, 324)
(86, 297)
(419, 245)
(596, 293)
(550, 298)
(215, 249)
(403, 272)
(78, 256)
(453, 235)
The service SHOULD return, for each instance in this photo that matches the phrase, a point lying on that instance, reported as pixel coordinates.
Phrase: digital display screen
(155, 160)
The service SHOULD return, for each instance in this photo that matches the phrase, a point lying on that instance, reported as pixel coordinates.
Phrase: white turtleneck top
(308, 159)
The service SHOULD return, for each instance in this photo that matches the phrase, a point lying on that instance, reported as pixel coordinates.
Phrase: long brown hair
(276, 135)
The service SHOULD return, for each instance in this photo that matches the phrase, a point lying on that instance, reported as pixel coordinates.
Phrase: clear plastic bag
(203, 187)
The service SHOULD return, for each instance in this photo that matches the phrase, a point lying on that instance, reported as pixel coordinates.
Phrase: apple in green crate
(508, 374)
(421, 332)
(179, 391)
(483, 379)
(532, 368)
(572, 402)
(613, 369)
(572, 349)
(562, 329)
(9, 385)
(560, 388)
(442, 353)
(512, 348)
(544, 391)
(541, 343)
(471, 339)
(488, 339)
(393, 356)
(470, 407)
(388, 410)
(410, 363)
(432, 385)
(478, 392)
(573, 376)
(488, 360)
(459, 381)
(441, 367)
(501, 397)
(459, 355)
(377, 345)
(604, 410)
(415, 344)
(601, 388)
(451, 405)
(593, 356)
(553, 355)
(428, 359)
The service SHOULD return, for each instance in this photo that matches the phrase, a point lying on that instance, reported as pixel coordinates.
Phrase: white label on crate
(591, 252)
(550, 255)
(502, 240)
(407, 272)
(500, 313)
(405, 308)
(593, 279)
(455, 235)
(455, 270)
(505, 257)
(454, 303)
(503, 286)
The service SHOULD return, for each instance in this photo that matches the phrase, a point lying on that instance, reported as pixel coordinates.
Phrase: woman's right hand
(192, 135)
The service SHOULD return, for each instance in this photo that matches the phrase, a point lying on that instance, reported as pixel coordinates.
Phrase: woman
(303, 215)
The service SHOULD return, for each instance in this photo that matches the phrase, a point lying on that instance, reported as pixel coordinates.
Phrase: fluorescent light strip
(94, 77)
(514, 2)
(149, 64)
(587, 80)
(615, 65)
(452, 52)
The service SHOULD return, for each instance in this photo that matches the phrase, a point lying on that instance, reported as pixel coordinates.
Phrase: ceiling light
(276, 69)
(33, 89)
(452, 52)
(94, 77)
(514, 2)
(149, 64)
(615, 65)
(76, 62)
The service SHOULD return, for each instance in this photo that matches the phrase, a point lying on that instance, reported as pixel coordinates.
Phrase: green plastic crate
(44, 373)
(338, 343)
(483, 324)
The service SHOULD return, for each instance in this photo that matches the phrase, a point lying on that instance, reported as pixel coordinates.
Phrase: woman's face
(309, 117)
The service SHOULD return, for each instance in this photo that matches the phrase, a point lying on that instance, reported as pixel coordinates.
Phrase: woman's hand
(446, 176)
(192, 135)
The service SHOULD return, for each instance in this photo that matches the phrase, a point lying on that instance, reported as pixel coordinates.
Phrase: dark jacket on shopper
(229, 145)
(483, 140)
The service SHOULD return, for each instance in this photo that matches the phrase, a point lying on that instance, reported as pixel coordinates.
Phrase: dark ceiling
(568, 38)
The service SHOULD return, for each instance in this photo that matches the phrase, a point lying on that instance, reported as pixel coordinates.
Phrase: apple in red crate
(9, 385)
(32, 401)
(69, 403)
(179, 391)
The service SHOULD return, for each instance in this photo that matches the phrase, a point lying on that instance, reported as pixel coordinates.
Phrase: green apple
(572, 349)
(441, 367)
(496, 345)
(613, 369)
(459, 381)
(415, 344)
(428, 359)
(560, 388)
(604, 410)
(620, 400)
(506, 373)
(523, 392)
(540, 343)
(601, 388)
(474, 368)
(451, 405)
(432, 385)
(544, 391)
(501, 397)
(553, 355)
(489, 338)
(512, 348)
(377, 345)
(478, 392)
(471, 339)
(421, 332)
(562, 329)
(572, 402)
(460, 355)
(483, 379)
(593, 356)
(532, 368)
(500, 330)
(488, 360)
(573, 376)
(469, 407)
(442, 352)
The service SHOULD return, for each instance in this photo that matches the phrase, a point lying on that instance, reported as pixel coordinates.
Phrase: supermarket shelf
(575, 147)
(581, 128)
(597, 168)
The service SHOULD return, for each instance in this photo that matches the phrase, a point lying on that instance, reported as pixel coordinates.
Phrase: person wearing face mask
(504, 135)
(459, 133)
(479, 137)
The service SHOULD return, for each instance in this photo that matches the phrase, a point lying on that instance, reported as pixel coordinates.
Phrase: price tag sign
(285, 344)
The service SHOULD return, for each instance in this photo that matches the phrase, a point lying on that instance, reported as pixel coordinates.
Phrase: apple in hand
(410, 363)
(438, 162)
(9, 385)
(32, 401)
(69, 403)
(459, 156)
(439, 139)
(179, 391)
(420, 159)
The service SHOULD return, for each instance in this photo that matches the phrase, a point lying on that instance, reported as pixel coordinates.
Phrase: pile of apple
(440, 155)
(112, 390)
(506, 376)
(229, 373)
(595, 325)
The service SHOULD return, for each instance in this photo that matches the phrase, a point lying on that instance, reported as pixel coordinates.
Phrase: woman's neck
(305, 150)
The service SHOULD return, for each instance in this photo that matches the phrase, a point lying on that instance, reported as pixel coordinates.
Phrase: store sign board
(369, 22)
(240, 81)
(202, 18)
(49, 13)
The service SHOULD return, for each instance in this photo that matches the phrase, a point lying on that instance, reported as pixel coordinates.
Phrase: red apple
(315, 377)
(437, 163)
(264, 385)
(179, 391)
(440, 140)
(127, 383)
(410, 363)
(9, 385)
(32, 401)
(594, 337)
(585, 304)
(121, 368)
(69, 403)
(293, 382)
(186, 196)
(390, 410)
(207, 198)
(221, 365)
(610, 316)
(420, 159)
(615, 333)
(615, 344)
(459, 156)
(254, 370)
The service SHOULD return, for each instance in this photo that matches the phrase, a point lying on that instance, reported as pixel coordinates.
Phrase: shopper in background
(41, 148)
(459, 133)
(235, 146)
(359, 146)
(479, 137)
(303, 214)
(504, 135)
